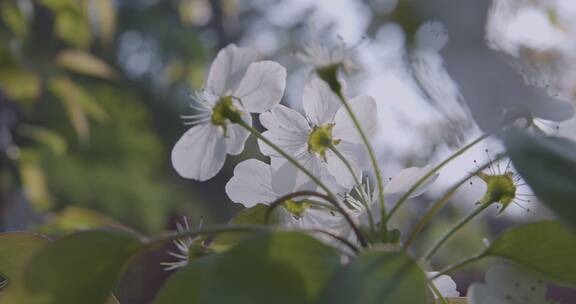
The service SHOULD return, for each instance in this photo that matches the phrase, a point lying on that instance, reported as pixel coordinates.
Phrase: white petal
(262, 87)
(319, 102)
(228, 69)
(364, 107)
(445, 285)
(506, 284)
(552, 109)
(284, 178)
(506, 278)
(287, 178)
(251, 183)
(481, 294)
(237, 136)
(407, 178)
(200, 153)
(353, 154)
(286, 128)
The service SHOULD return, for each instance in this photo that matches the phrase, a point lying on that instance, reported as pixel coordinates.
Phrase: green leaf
(548, 247)
(51, 139)
(74, 218)
(378, 277)
(72, 26)
(255, 215)
(548, 164)
(85, 63)
(19, 83)
(186, 285)
(276, 267)
(16, 248)
(80, 268)
(13, 18)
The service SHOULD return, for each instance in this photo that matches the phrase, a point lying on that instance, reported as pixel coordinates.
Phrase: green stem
(171, 236)
(433, 171)
(441, 202)
(436, 292)
(458, 265)
(373, 159)
(339, 208)
(358, 185)
(454, 229)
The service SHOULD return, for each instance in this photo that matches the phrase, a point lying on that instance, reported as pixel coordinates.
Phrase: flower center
(297, 209)
(321, 139)
(500, 189)
(225, 110)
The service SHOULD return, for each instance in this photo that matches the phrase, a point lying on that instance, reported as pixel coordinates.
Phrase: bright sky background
(402, 110)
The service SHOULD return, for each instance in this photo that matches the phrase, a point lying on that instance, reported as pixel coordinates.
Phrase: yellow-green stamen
(320, 140)
(297, 209)
(223, 111)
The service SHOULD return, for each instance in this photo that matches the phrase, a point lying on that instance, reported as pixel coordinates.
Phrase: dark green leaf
(548, 247)
(378, 277)
(255, 216)
(80, 268)
(16, 248)
(276, 267)
(548, 164)
(186, 285)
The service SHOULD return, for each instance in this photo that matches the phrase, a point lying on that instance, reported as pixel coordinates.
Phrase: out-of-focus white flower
(540, 39)
(394, 190)
(436, 85)
(445, 285)
(309, 139)
(237, 85)
(255, 182)
(508, 284)
(322, 53)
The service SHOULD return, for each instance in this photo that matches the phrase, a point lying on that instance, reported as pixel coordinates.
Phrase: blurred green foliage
(90, 132)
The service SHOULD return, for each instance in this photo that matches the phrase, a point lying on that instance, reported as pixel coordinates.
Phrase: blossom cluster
(321, 175)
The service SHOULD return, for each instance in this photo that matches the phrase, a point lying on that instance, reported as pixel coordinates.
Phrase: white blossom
(255, 182)
(307, 138)
(236, 86)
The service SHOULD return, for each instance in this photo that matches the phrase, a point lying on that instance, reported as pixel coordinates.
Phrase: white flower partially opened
(237, 85)
(313, 139)
(444, 284)
(255, 182)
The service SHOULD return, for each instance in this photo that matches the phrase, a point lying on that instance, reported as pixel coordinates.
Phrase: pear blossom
(508, 284)
(445, 285)
(326, 124)
(237, 85)
(255, 182)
